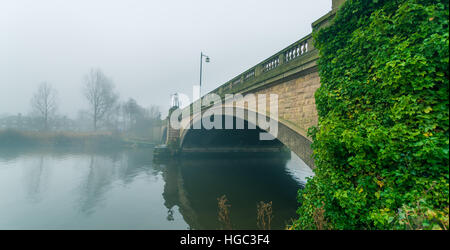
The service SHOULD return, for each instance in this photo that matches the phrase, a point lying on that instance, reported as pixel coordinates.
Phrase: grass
(224, 212)
(264, 214)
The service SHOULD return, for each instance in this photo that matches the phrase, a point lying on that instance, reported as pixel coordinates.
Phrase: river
(127, 189)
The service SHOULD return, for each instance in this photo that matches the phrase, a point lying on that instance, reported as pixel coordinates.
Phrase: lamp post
(201, 66)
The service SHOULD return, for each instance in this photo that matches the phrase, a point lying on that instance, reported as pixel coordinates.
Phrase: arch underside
(246, 139)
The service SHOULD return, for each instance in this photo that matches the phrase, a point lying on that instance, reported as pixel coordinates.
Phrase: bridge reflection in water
(194, 185)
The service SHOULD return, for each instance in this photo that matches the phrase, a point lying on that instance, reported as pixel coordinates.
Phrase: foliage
(382, 144)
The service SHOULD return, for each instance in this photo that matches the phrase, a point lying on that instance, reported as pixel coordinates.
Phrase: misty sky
(150, 49)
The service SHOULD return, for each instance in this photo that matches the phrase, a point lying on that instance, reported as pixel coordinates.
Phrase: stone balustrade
(290, 55)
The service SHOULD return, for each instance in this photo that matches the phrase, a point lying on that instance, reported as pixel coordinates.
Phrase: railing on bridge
(289, 55)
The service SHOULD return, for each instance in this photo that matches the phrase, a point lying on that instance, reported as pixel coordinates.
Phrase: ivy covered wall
(382, 144)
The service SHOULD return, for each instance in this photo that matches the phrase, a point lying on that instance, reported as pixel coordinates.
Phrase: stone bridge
(292, 74)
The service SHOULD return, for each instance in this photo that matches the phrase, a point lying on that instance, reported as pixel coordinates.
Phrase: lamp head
(207, 59)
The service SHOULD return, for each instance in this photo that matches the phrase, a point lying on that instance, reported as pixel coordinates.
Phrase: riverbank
(16, 138)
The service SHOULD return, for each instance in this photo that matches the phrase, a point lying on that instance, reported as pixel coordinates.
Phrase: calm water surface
(49, 189)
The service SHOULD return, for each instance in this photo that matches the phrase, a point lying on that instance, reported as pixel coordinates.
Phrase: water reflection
(103, 171)
(195, 185)
(34, 179)
(127, 190)
(96, 183)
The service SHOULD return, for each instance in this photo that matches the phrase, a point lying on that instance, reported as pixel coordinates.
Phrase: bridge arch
(286, 135)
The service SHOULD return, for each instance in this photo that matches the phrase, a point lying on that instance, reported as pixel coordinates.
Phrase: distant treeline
(105, 112)
(15, 138)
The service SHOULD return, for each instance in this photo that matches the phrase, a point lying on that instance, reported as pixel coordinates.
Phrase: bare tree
(154, 113)
(140, 121)
(44, 102)
(99, 91)
(131, 111)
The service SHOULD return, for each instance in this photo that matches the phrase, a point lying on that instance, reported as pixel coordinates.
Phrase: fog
(149, 49)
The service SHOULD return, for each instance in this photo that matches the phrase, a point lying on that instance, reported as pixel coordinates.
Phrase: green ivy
(382, 144)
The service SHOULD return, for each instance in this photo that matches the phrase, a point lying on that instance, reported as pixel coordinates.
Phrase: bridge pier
(170, 140)
(173, 136)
